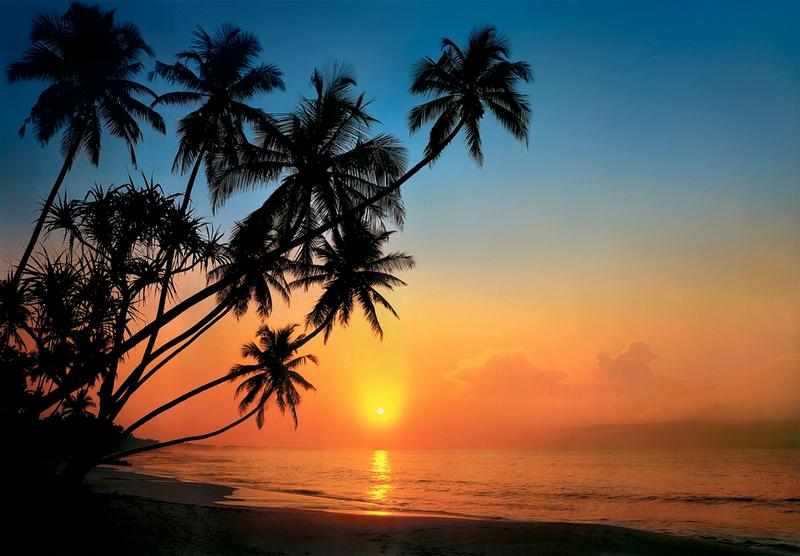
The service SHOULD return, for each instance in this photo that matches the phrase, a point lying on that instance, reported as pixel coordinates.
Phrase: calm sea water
(731, 494)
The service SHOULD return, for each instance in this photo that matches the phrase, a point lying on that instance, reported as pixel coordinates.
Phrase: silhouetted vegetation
(79, 335)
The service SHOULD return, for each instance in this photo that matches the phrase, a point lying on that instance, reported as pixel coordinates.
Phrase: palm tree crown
(274, 373)
(224, 78)
(352, 266)
(324, 159)
(462, 84)
(79, 405)
(89, 62)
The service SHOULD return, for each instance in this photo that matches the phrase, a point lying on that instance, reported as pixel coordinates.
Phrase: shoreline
(109, 479)
(146, 503)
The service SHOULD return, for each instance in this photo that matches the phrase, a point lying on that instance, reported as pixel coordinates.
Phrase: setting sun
(379, 411)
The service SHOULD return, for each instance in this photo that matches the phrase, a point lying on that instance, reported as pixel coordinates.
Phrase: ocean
(739, 495)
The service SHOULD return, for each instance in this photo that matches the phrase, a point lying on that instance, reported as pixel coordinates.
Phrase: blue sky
(639, 105)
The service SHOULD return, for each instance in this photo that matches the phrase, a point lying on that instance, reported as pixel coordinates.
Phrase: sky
(638, 261)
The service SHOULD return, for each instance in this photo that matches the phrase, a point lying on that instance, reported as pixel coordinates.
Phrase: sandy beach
(151, 515)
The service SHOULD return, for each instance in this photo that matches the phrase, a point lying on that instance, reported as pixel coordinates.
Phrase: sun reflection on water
(381, 476)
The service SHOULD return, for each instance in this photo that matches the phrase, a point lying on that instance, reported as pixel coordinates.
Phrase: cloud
(788, 358)
(629, 372)
(510, 389)
(508, 375)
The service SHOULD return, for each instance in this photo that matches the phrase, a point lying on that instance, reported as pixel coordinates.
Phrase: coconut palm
(350, 269)
(225, 77)
(324, 159)
(251, 280)
(78, 406)
(88, 62)
(352, 266)
(273, 376)
(463, 84)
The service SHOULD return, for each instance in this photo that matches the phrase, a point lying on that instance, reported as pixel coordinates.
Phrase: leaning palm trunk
(114, 457)
(23, 263)
(180, 399)
(216, 382)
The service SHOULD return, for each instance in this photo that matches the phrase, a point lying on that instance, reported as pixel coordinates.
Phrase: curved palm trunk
(180, 399)
(216, 382)
(172, 314)
(114, 457)
(178, 350)
(317, 330)
(311, 336)
(135, 379)
(37, 230)
(122, 400)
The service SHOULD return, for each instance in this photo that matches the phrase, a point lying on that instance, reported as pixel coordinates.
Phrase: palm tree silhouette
(89, 63)
(352, 266)
(273, 376)
(463, 84)
(274, 373)
(324, 159)
(224, 79)
(77, 305)
(78, 406)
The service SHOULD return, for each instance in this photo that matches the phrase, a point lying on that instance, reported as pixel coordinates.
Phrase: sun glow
(380, 394)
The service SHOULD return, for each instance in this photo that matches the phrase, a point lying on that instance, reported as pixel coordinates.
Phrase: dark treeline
(83, 313)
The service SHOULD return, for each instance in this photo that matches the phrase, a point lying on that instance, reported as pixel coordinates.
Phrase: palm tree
(88, 62)
(462, 84)
(352, 266)
(325, 162)
(225, 77)
(273, 376)
(274, 373)
(78, 406)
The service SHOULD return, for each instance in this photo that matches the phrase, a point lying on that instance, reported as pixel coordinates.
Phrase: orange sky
(483, 360)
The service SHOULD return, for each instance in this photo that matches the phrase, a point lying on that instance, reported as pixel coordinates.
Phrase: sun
(379, 411)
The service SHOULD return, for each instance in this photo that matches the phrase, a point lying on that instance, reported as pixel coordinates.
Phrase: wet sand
(151, 515)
